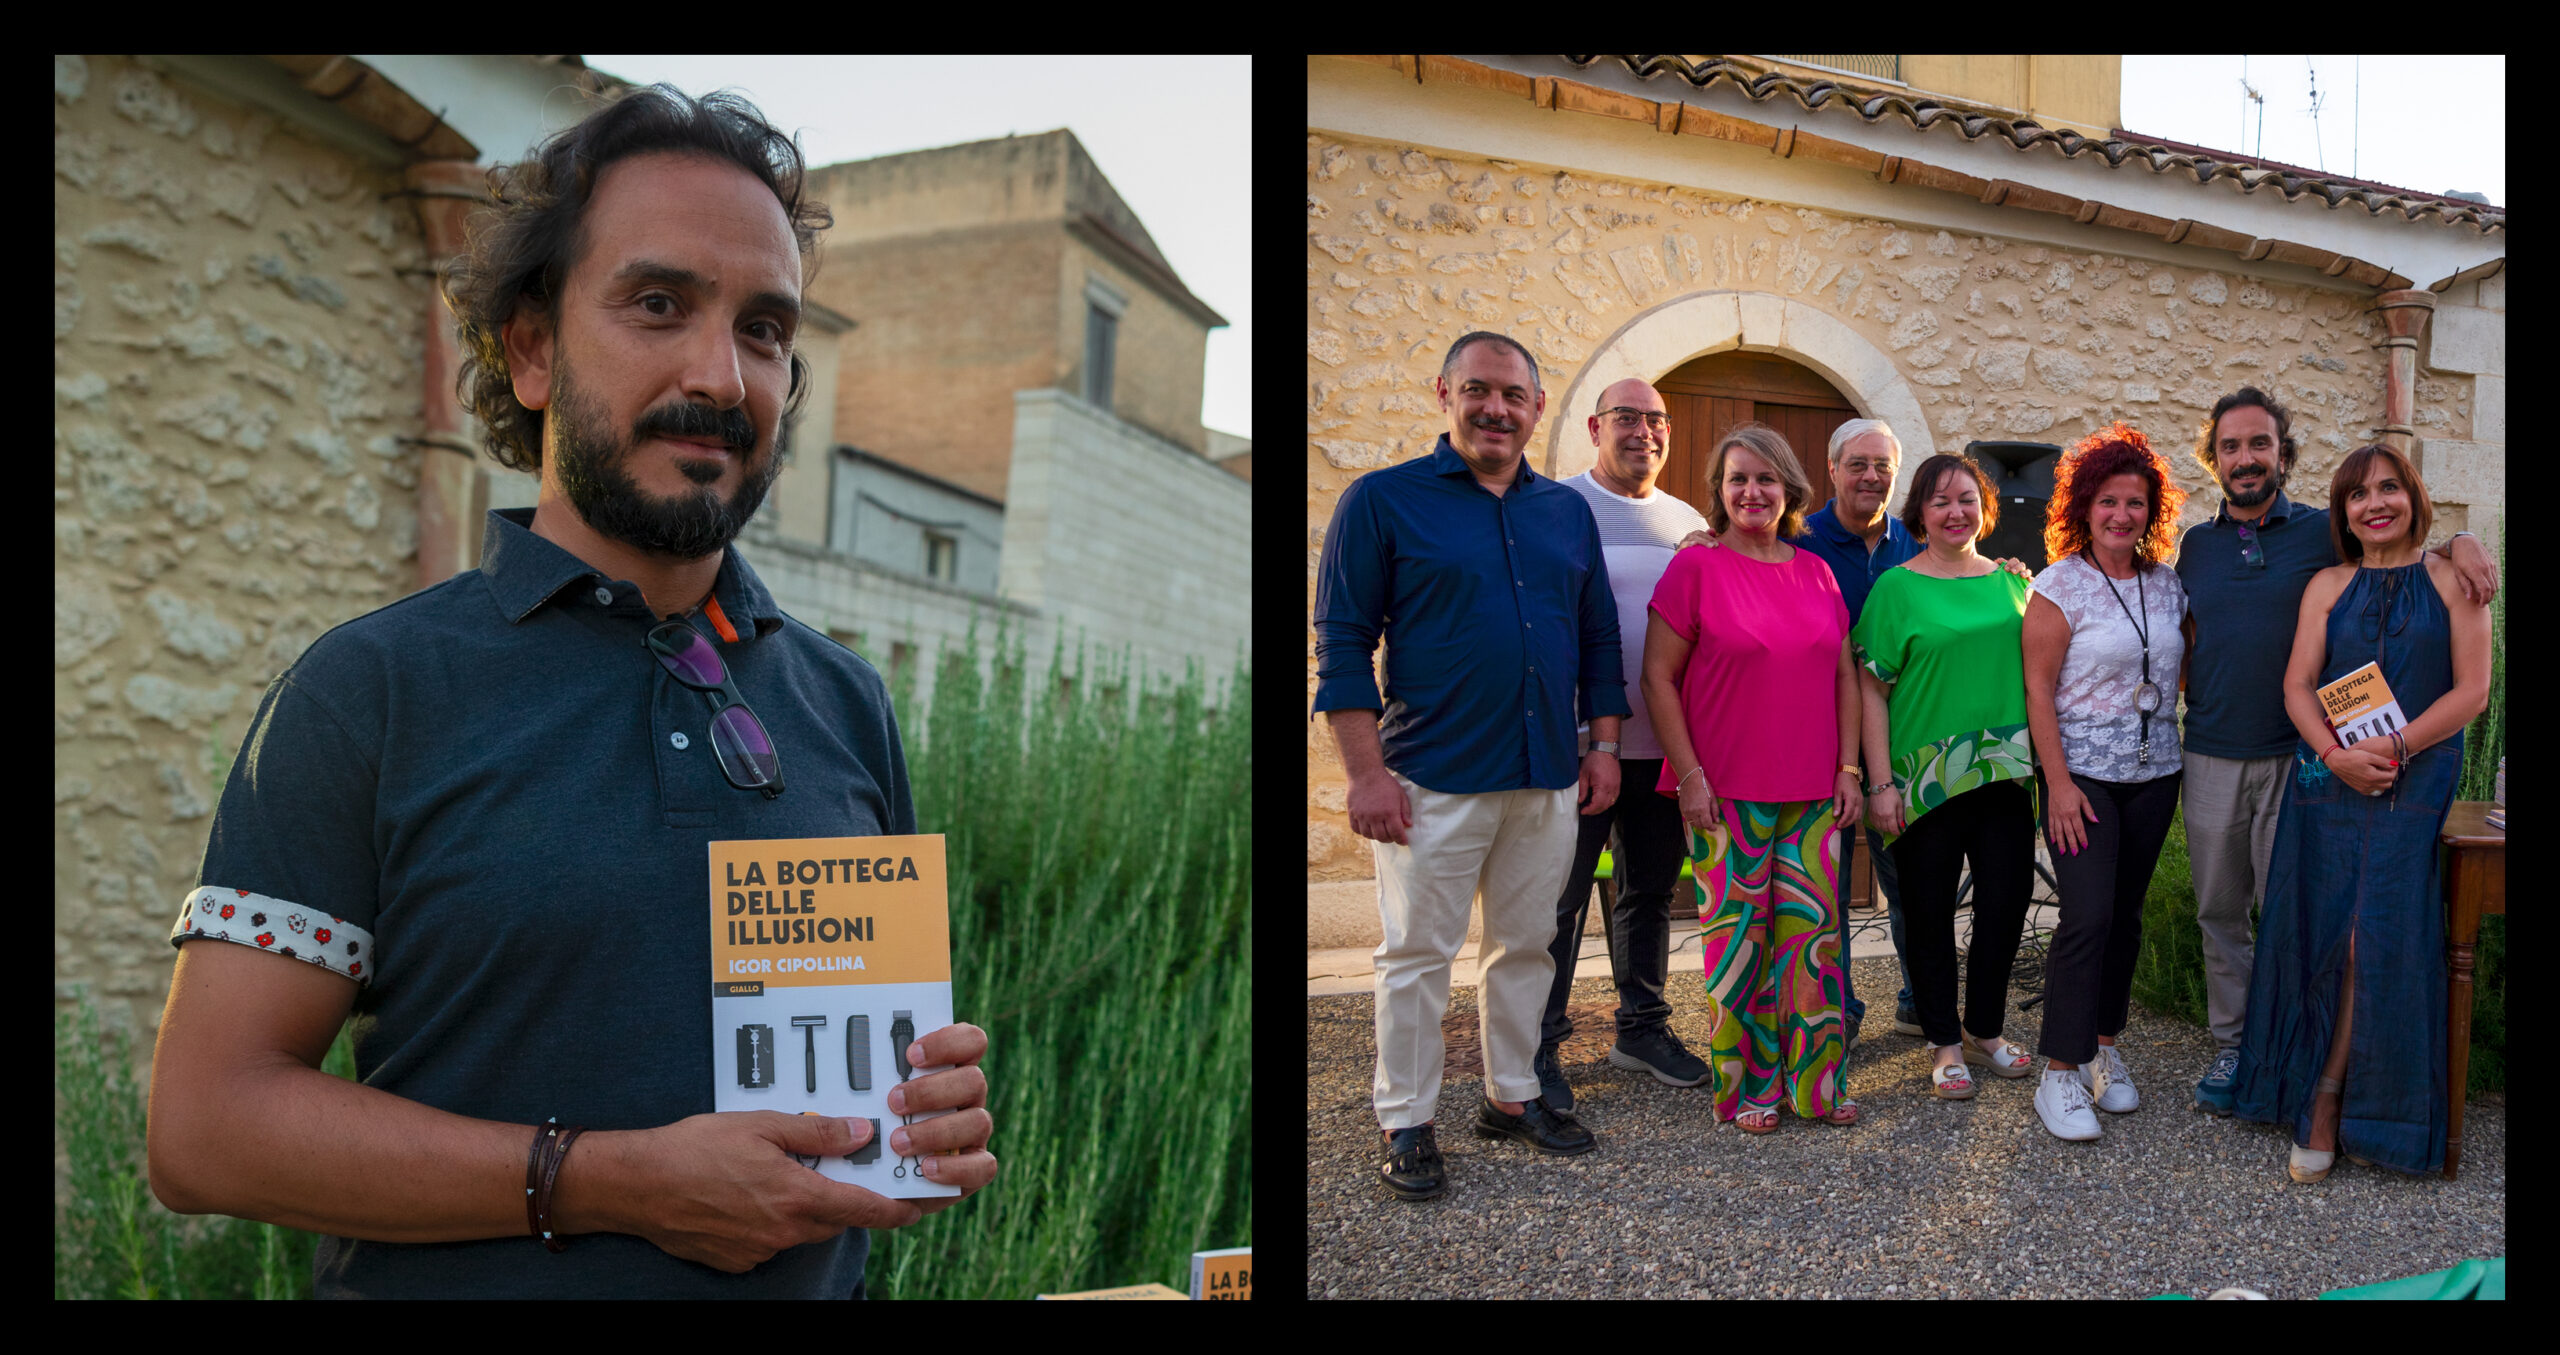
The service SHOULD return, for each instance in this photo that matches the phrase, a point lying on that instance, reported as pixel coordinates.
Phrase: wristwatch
(1609, 746)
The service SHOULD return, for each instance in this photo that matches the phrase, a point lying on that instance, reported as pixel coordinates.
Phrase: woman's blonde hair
(1765, 443)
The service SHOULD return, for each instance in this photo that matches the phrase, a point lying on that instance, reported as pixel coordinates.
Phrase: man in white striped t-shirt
(1640, 529)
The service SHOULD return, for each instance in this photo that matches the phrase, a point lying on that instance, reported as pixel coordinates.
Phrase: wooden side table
(2475, 883)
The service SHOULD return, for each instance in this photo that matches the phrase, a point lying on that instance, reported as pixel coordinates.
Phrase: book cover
(1222, 1274)
(2360, 706)
(829, 958)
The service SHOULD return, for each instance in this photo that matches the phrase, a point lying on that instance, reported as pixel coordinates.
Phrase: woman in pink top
(1754, 696)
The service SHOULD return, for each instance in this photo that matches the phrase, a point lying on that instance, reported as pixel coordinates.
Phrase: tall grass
(1101, 918)
(114, 1240)
(1102, 924)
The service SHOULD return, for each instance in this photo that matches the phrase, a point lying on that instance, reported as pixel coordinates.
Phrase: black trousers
(2089, 969)
(1994, 828)
(1646, 869)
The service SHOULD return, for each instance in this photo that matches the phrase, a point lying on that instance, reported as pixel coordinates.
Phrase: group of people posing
(1763, 684)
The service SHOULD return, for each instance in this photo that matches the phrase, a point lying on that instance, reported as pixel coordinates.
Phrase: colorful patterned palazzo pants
(1767, 880)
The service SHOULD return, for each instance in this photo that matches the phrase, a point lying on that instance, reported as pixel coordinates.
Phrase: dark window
(941, 557)
(1099, 327)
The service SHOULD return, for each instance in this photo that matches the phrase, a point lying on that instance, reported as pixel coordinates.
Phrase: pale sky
(1170, 133)
(2436, 124)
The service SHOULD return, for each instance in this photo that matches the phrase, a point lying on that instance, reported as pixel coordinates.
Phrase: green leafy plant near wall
(1101, 888)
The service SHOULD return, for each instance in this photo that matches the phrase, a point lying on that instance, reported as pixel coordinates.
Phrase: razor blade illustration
(755, 1056)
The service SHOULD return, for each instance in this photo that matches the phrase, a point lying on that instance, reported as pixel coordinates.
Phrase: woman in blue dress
(2345, 1042)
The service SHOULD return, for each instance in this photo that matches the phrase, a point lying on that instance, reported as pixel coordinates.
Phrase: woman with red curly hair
(2103, 645)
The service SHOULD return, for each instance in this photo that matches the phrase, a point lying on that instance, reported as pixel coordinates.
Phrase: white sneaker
(2064, 1104)
(2108, 1082)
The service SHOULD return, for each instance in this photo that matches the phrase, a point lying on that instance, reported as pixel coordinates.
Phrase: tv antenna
(2315, 115)
(2250, 95)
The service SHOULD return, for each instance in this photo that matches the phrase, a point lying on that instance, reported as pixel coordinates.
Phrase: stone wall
(237, 350)
(1977, 336)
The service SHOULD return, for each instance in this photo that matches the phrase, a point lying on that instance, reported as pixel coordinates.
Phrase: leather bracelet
(550, 1148)
(2324, 754)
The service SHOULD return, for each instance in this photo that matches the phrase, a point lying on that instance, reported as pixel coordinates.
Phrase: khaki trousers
(2230, 808)
(1515, 847)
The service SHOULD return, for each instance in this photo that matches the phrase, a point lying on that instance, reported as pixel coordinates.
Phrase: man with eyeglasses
(2245, 571)
(1487, 583)
(1640, 530)
(480, 816)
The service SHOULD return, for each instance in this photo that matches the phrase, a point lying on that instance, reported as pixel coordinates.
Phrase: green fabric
(1948, 652)
(2475, 1279)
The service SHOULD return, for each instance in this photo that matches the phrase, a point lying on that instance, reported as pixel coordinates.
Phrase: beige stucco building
(1969, 250)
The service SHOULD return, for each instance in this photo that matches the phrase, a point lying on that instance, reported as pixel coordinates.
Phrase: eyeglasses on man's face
(1628, 420)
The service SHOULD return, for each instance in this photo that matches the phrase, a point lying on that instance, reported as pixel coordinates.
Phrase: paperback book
(829, 958)
(2360, 706)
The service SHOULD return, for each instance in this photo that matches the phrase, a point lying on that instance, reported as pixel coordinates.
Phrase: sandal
(1769, 1120)
(1844, 1113)
(1951, 1082)
(2310, 1165)
(1999, 1056)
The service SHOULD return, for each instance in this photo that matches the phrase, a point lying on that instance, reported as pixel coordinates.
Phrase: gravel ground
(1923, 1197)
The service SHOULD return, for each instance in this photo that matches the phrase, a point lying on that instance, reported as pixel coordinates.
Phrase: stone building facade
(1445, 197)
(237, 342)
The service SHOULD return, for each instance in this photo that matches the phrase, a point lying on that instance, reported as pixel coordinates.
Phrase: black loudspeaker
(2022, 474)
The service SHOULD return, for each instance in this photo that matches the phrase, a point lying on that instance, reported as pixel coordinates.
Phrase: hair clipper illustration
(755, 1056)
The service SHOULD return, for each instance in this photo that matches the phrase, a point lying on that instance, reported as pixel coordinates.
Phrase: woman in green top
(1945, 707)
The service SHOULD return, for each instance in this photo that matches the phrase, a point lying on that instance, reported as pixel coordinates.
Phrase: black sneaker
(1906, 1021)
(1412, 1169)
(1657, 1051)
(1541, 1127)
(1551, 1079)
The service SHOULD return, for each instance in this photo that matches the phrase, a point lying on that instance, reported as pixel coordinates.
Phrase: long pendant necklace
(2146, 698)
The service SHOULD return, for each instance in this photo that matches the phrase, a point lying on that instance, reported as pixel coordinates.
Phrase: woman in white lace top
(2104, 644)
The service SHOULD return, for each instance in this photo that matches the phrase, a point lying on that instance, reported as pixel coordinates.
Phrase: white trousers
(1515, 847)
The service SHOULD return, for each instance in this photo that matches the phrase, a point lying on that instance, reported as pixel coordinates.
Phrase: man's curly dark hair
(521, 247)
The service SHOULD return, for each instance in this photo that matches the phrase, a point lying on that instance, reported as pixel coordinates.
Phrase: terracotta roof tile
(2026, 135)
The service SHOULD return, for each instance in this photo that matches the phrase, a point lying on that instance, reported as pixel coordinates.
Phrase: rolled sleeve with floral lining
(270, 924)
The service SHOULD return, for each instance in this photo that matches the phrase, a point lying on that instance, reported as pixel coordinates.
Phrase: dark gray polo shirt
(491, 807)
(2245, 619)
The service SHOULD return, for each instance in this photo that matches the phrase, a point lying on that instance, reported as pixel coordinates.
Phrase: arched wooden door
(1714, 393)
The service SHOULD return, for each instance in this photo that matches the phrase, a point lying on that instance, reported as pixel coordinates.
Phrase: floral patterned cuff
(287, 929)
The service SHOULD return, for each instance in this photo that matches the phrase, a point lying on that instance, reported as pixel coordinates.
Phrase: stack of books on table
(2498, 805)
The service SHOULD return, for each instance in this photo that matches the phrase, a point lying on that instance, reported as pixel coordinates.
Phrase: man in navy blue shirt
(479, 818)
(1487, 582)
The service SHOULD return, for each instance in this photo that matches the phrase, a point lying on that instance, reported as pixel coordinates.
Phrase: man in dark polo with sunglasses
(479, 818)
(2245, 570)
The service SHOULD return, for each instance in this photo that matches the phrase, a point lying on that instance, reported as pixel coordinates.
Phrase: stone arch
(1658, 341)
